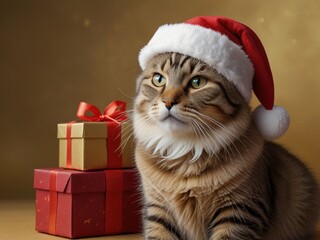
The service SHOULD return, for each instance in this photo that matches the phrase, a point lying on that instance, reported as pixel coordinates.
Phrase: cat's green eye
(198, 82)
(158, 80)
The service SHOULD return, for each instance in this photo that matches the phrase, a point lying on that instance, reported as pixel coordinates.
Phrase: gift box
(77, 204)
(103, 141)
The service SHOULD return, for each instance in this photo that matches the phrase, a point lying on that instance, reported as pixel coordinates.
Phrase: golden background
(54, 54)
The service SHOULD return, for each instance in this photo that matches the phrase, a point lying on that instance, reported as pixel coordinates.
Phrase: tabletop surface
(17, 222)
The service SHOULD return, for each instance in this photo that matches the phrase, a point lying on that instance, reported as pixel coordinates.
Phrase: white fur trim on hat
(271, 123)
(209, 46)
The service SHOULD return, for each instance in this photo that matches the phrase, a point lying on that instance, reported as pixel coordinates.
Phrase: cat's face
(183, 99)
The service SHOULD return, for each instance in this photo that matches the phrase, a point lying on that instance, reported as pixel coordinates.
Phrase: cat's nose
(169, 104)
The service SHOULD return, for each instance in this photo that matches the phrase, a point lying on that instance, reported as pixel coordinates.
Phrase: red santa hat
(236, 52)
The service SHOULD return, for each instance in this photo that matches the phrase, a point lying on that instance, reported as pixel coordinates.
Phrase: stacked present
(94, 191)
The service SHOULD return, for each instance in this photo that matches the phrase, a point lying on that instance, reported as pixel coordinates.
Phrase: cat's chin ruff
(172, 147)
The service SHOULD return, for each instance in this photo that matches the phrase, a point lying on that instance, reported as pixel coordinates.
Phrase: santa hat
(236, 52)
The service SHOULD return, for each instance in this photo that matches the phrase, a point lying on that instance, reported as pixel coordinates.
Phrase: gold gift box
(89, 146)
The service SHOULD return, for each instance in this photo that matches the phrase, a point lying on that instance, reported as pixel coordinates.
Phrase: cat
(206, 172)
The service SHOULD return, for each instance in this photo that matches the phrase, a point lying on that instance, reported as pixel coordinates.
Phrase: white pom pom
(273, 123)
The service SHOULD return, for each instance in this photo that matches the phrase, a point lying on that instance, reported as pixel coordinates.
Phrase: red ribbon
(69, 145)
(53, 203)
(115, 112)
(113, 115)
(114, 201)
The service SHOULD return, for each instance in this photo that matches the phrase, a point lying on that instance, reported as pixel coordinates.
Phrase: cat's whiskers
(143, 122)
(224, 145)
(126, 136)
(126, 113)
(195, 130)
(201, 132)
(124, 129)
(124, 94)
(207, 136)
(225, 129)
(228, 130)
(220, 125)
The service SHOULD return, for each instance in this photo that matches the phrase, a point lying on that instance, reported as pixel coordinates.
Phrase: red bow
(115, 111)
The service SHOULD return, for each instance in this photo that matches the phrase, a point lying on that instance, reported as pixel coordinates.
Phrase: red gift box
(78, 204)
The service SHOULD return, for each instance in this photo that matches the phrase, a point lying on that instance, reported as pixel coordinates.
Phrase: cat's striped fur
(206, 172)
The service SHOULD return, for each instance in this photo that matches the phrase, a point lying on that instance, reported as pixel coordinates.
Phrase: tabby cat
(206, 172)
